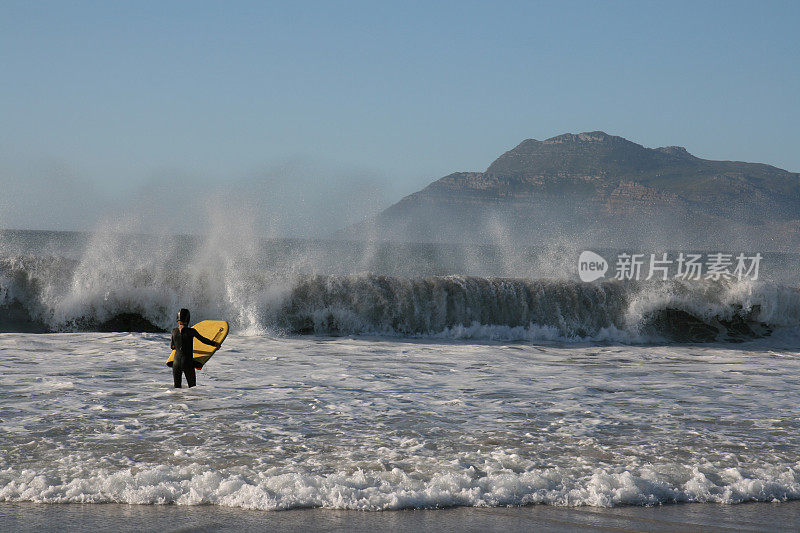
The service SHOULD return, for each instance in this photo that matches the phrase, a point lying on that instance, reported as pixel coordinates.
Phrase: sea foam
(50, 294)
(395, 489)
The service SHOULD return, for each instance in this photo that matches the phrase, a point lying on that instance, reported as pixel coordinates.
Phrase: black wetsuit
(182, 342)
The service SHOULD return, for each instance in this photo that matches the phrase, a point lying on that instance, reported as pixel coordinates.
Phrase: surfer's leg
(191, 379)
(176, 376)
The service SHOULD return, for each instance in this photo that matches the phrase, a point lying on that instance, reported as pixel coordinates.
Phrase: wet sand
(136, 518)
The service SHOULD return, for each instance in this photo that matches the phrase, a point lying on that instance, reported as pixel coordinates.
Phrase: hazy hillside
(599, 189)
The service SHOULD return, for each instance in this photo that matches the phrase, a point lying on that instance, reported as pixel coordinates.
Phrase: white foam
(388, 423)
(112, 278)
(396, 489)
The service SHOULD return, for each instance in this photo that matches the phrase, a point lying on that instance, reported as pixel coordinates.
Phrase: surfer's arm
(205, 340)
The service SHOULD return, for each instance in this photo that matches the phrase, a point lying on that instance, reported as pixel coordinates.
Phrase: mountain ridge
(605, 188)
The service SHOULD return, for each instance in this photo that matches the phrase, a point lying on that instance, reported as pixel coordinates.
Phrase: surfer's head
(183, 317)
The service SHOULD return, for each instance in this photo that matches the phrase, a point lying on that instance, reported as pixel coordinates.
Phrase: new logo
(591, 266)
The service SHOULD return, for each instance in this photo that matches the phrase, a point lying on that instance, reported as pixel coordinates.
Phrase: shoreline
(756, 516)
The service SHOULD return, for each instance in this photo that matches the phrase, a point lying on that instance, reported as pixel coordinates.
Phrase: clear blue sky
(116, 96)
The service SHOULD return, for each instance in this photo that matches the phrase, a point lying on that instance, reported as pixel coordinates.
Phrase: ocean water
(355, 380)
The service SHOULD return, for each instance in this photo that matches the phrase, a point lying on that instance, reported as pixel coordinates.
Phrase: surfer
(182, 341)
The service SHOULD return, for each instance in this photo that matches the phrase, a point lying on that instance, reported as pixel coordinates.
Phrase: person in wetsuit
(182, 340)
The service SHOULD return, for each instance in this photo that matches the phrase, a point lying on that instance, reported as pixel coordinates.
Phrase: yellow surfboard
(215, 330)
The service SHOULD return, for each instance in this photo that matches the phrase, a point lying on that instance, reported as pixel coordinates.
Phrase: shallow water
(386, 423)
(757, 517)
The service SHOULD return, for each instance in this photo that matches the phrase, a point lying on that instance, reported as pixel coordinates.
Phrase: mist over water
(302, 196)
(113, 281)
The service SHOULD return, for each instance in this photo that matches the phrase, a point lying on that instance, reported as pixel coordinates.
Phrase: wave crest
(56, 294)
(396, 489)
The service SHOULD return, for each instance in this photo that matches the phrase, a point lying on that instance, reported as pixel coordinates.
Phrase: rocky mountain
(601, 190)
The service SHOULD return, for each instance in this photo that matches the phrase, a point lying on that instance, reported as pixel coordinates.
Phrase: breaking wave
(396, 489)
(41, 294)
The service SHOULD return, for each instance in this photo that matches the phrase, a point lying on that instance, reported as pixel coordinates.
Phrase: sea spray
(124, 282)
(89, 294)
